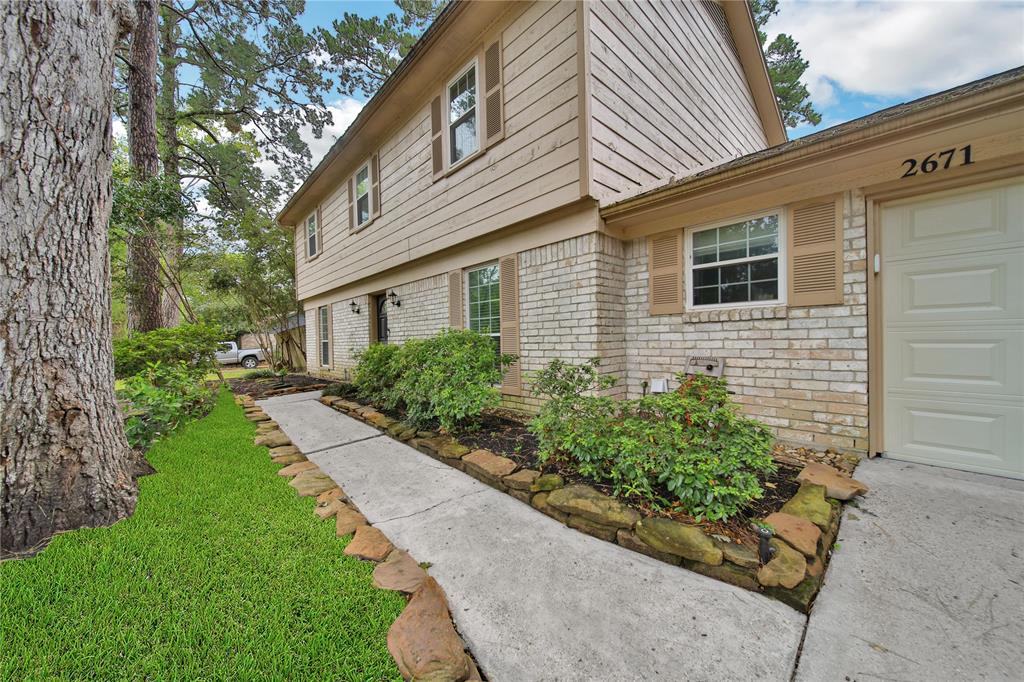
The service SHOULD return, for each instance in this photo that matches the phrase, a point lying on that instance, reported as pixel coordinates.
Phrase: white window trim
(783, 262)
(465, 286)
(446, 142)
(369, 194)
(316, 235)
(320, 339)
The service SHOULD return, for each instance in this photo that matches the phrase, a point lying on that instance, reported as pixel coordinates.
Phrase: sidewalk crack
(431, 507)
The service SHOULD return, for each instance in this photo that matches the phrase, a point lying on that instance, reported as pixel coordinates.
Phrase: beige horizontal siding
(668, 94)
(534, 169)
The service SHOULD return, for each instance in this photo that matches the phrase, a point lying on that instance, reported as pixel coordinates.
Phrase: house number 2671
(937, 160)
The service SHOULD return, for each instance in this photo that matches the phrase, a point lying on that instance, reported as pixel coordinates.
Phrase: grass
(229, 373)
(221, 573)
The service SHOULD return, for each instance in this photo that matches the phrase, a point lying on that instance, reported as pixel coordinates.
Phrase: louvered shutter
(665, 273)
(508, 283)
(436, 145)
(494, 118)
(816, 253)
(455, 299)
(351, 204)
(375, 185)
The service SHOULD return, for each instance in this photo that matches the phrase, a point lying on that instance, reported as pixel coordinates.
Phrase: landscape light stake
(765, 551)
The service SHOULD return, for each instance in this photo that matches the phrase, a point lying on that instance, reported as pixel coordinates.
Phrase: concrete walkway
(536, 600)
(928, 582)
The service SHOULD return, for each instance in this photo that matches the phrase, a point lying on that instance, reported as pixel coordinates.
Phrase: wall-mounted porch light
(393, 297)
(354, 306)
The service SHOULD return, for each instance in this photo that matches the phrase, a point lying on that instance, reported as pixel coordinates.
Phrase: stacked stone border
(422, 640)
(804, 530)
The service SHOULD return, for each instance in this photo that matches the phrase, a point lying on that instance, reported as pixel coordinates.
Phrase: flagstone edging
(423, 640)
(803, 531)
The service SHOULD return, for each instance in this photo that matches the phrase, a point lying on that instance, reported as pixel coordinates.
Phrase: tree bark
(145, 309)
(64, 460)
(168, 117)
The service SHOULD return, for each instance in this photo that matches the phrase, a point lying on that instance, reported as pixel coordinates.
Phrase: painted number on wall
(938, 160)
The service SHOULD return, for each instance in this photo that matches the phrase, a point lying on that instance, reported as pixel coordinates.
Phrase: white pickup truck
(229, 353)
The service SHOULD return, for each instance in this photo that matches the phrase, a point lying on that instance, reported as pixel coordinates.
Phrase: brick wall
(424, 309)
(801, 370)
(571, 306)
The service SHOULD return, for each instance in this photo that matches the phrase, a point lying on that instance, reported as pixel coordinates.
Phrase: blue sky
(864, 56)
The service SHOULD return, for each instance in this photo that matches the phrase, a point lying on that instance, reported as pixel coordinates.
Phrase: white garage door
(953, 329)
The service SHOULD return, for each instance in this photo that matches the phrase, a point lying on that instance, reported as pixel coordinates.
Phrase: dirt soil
(265, 388)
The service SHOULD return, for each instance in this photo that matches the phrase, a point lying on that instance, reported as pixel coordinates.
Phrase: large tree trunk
(145, 309)
(168, 117)
(64, 461)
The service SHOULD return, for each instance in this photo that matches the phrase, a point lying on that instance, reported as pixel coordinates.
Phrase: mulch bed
(261, 388)
(507, 435)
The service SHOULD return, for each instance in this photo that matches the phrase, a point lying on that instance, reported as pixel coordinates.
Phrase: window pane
(767, 290)
(735, 293)
(734, 274)
(706, 277)
(732, 233)
(705, 238)
(705, 296)
(363, 209)
(732, 251)
(463, 140)
(462, 95)
(363, 181)
(707, 254)
(312, 244)
(484, 302)
(765, 269)
(763, 246)
(311, 226)
(763, 227)
(462, 115)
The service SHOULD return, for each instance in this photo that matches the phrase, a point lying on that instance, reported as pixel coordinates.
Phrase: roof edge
(961, 99)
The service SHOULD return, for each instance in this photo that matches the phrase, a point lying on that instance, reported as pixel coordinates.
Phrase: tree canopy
(786, 66)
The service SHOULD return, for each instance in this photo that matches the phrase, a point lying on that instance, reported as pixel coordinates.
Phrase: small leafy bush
(260, 374)
(191, 344)
(692, 443)
(451, 377)
(342, 390)
(377, 374)
(160, 398)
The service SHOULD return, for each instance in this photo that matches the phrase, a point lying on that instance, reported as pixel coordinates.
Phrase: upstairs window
(363, 195)
(463, 138)
(735, 264)
(311, 236)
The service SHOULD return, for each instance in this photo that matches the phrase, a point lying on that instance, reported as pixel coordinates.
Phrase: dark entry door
(381, 303)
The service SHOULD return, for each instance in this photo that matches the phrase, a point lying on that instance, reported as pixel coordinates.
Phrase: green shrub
(160, 398)
(192, 344)
(342, 390)
(377, 373)
(451, 377)
(261, 374)
(694, 442)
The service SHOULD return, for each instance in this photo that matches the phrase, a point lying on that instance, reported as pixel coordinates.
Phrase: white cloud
(898, 49)
(343, 112)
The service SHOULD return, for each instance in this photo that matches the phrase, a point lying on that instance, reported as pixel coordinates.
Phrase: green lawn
(222, 573)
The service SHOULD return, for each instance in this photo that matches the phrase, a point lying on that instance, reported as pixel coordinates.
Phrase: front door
(953, 329)
(380, 303)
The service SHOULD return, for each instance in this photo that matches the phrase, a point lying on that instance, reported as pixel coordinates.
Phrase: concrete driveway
(928, 581)
(927, 584)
